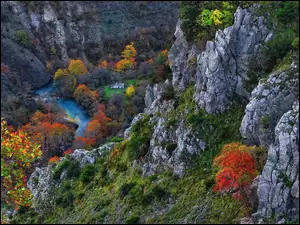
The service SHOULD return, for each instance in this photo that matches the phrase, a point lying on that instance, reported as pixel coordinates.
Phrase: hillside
(209, 133)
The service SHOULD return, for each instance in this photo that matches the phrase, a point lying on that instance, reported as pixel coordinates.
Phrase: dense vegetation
(113, 189)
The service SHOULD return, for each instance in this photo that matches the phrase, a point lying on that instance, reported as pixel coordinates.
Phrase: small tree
(77, 67)
(130, 91)
(17, 154)
(128, 60)
(237, 169)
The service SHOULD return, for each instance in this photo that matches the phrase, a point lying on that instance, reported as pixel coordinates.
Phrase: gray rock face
(91, 30)
(278, 188)
(183, 60)
(42, 184)
(268, 102)
(223, 65)
(89, 157)
(135, 119)
(27, 66)
(171, 146)
(149, 96)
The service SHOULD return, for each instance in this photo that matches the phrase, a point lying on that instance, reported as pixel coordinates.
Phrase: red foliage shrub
(54, 159)
(4, 68)
(69, 151)
(237, 169)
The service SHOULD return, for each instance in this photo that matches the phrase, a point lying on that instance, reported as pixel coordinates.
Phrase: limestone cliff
(207, 83)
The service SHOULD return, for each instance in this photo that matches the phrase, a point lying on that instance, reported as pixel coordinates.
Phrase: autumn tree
(61, 73)
(130, 91)
(52, 136)
(237, 169)
(77, 67)
(128, 60)
(87, 98)
(103, 64)
(65, 80)
(84, 143)
(161, 67)
(17, 154)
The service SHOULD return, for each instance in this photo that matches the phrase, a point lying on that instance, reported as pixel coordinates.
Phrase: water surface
(73, 111)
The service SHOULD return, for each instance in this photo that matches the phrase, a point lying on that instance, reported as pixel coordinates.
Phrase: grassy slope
(118, 193)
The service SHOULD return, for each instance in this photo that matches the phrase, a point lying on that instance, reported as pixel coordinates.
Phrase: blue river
(73, 111)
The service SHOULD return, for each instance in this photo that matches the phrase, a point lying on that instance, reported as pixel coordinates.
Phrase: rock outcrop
(42, 184)
(183, 58)
(25, 64)
(278, 188)
(268, 102)
(223, 65)
(172, 146)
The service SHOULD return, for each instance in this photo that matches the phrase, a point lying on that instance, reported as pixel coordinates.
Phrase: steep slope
(162, 172)
(57, 31)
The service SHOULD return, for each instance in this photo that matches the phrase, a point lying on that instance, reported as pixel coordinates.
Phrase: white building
(117, 85)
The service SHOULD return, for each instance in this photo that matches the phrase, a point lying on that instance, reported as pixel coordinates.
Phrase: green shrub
(265, 121)
(168, 94)
(133, 219)
(171, 122)
(139, 142)
(59, 168)
(295, 43)
(53, 50)
(66, 185)
(125, 188)
(170, 147)
(285, 178)
(88, 173)
(115, 139)
(22, 37)
(65, 199)
(201, 19)
(73, 169)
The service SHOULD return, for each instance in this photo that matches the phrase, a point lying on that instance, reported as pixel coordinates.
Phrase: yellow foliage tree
(128, 58)
(60, 73)
(103, 64)
(129, 51)
(130, 91)
(77, 67)
(17, 154)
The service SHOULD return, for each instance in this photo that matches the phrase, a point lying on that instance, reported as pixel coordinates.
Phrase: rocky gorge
(164, 162)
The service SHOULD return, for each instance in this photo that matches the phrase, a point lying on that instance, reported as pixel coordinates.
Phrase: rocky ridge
(219, 72)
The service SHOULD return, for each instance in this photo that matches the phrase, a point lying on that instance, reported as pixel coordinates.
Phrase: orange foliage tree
(84, 142)
(51, 136)
(128, 60)
(54, 159)
(237, 169)
(97, 127)
(17, 154)
(83, 90)
(161, 66)
(103, 64)
(65, 80)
